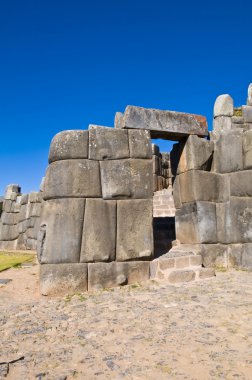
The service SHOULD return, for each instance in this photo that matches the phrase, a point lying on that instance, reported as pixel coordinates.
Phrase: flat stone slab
(164, 124)
(4, 281)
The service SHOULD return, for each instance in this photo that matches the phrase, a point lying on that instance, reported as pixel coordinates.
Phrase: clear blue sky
(67, 63)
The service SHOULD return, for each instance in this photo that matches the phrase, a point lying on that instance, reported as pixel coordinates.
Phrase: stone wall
(20, 219)
(96, 222)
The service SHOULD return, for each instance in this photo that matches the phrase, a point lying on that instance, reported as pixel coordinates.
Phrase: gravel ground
(155, 331)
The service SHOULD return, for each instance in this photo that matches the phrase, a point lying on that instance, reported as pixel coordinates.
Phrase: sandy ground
(194, 331)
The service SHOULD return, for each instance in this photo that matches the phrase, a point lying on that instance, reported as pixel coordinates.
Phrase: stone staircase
(181, 264)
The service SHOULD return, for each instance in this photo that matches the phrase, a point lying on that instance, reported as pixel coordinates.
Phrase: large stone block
(122, 179)
(69, 144)
(140, 144)
(247, 113)
(108, 143)
(222, 124)
(196, 154)
(228, 152)
(108, 275)
(10, 189)
(176, 193)
(249, 100)
(241, 183)
(35, 197)
(118, 120)
(61, 224)
(247, 149)
(63, 279)
(99, 231)
(214, 255)
(196, 223)
(198, 185)
(72, 178)
(24, 212)
(224, 106)
(235, 221)
(8, 232)
(164, 124)
(134, 230)
(247, 257)
(235, 252)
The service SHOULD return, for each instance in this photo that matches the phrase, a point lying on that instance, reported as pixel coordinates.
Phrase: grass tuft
(10, 260)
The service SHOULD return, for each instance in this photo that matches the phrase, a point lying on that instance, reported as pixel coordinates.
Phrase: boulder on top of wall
(61, 224)
(249, 100)
(72, 178)
(99, 231)
(196, 154)
(140, 144)
(224, 106)
(134, 230)
(234, 221)
(69, 144)
(108, 275)
(127, 178)
(164, 124)
(198, 185)
(107, 143)
(228, 152)
(196, 223)
(247, 149)
(118, 120)
(10, 189)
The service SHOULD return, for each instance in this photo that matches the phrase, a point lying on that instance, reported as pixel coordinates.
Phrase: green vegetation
(9, 260)
(238, 111)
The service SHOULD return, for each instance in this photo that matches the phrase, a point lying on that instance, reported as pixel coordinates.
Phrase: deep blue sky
(67, 63)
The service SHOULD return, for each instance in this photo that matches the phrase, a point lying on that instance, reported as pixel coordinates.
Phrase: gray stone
(176, 193)
(155, 182)
(228, 152)
(35, 197)
(237, 120)
(222, 124)
(63, 279)
(163, 124)
(31, 244)
(24, 199)
(196, 223)
(108, 143)
(24, 212)
(247, 149)
(249, 100)
(8, 244)
(235, 223)
(8, 205)
(155, 164)
(41, 187)
(122, 179)
(61, 224)
(23, 226)
(118, 122)
(69, 144)
(11, 189)
(99, 231)
(196, 154)
(198, 185)
(235, 252)
(224, 106)
(214, 255)
(155, 149)
(241, 183)
(140, 144)
(72, 178)
(247, 113)
(108, 275)
(134, 230)
(247, 257)
(9, 218)
(177, 276)
(8, 232)
(206, 273)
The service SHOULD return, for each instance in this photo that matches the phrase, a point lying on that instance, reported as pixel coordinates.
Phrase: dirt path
(199, 331)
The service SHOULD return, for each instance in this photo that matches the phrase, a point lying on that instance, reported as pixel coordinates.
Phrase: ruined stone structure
(100, 225)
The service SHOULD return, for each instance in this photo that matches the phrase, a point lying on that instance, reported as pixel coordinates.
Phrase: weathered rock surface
(140, 144)
(241, 183)
(72, 178)
(224, 106)
(247, 114)
(249, 100)
(99, 231)
(222, 124)
(247, 149)
(134, 230)
(62, 279)
(108, 143)
(69, 144)
(61, 224)
(163, 124)
(122, 179)
(108, 275)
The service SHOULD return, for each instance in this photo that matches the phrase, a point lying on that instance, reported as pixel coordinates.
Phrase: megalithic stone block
(247, 114)
(8, 232)
(196, 223)
(69, 144)
(247, 149)
(140, 144)
(118, 120)
(11, 189)
(72, 178)
(234, 221)
(241, 183)
(196, 154)
(107, 143)
(63, 279)
(108, 275)
(249, 100)
(222, 124)
(198, 185)
(224, 106)
(134, 230)
(99, 231)
(164, 124)
(228, 152)
(61, 224)
(123, 179)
